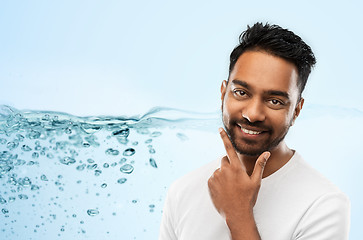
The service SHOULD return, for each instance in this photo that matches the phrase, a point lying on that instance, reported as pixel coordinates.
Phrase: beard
(252, 147)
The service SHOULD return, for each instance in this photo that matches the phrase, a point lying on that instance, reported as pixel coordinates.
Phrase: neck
(280, 155)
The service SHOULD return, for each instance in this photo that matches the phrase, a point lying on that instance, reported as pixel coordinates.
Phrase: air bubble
(153, 163)
(121, 180)
(129, 152)
(127, 168)
(111, 151)
(92, 212)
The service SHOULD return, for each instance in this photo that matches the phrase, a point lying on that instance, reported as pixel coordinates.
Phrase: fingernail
(220, 130)
(267, 155)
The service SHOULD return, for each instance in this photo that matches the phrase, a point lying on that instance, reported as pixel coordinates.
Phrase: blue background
(123, 58)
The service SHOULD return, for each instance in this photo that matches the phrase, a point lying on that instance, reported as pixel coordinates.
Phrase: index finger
(231, 152)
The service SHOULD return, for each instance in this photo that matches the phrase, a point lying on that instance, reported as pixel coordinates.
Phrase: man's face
(260, 102)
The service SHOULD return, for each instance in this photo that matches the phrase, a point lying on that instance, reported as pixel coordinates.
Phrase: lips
(251, 130)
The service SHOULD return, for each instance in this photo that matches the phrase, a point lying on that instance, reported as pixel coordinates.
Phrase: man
(261, 189)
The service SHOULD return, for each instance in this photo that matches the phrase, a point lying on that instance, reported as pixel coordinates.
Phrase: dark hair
(279, 42)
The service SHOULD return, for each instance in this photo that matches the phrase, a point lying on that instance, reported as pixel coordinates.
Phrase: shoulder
(297, 176)
(310, 204)
(311, 180)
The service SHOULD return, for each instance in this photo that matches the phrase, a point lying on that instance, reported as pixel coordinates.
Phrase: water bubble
(81, 167)
(3, 140)
(155, 134)
(44, 178)
(124, 133)
(111, 151)
(122, 160)
(37, 143)
(121, 180)
(2, 200)
(20, 137)
(143, 131)
(4, 210)
(34, 134)
(106, 165)
(31, 163)
(153, 163)
(11, 199)
(25, 182)
(89, 128)
(129, 152)
(50, 156)
(98, 172)
(23, 196)
(34, 187)
(46, 117)
(151, 150)
(74, 215)
(104, 185)
(148, 141)
(67, 160)
(90, 160)
(26, 148)
(86, 145)
(151, 206)
(127, 168)
(92, 212)
(35, 155)
(12, 145)
(92, 167)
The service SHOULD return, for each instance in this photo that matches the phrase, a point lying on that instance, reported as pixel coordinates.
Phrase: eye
(276, 102)
(239, 92)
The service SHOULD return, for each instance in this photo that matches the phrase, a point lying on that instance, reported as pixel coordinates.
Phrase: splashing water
(69, 177)
(101, 177)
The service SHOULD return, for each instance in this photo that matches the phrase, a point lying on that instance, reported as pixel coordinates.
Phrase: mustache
(259, 125)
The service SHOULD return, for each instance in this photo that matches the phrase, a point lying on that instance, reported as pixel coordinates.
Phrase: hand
(232, 190)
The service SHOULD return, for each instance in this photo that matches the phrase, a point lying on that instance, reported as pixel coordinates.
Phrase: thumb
(260, 166)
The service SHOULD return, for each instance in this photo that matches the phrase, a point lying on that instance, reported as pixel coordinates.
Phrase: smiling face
(260, 102)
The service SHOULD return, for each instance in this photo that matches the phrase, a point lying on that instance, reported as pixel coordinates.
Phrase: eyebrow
(278, 93)
(240, 82)
(270, 92)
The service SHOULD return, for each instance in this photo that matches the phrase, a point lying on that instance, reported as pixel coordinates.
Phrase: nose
(254, 111)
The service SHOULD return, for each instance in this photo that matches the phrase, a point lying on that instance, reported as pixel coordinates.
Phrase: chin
(249, 151)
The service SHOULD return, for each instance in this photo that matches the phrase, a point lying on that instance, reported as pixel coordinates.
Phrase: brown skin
(252, 101)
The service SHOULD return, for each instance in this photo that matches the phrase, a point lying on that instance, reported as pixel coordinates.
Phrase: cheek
(231, 111)
(281, 120)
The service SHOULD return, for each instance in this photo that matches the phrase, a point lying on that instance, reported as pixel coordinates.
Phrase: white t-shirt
(295, 202)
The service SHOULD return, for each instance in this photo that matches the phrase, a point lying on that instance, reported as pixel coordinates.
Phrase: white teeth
(250, 131)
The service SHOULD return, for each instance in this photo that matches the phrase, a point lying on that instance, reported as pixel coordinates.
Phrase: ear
(223, 89)
(297, 110)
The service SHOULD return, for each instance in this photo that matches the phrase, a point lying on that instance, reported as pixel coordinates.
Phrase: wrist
(242, 225)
